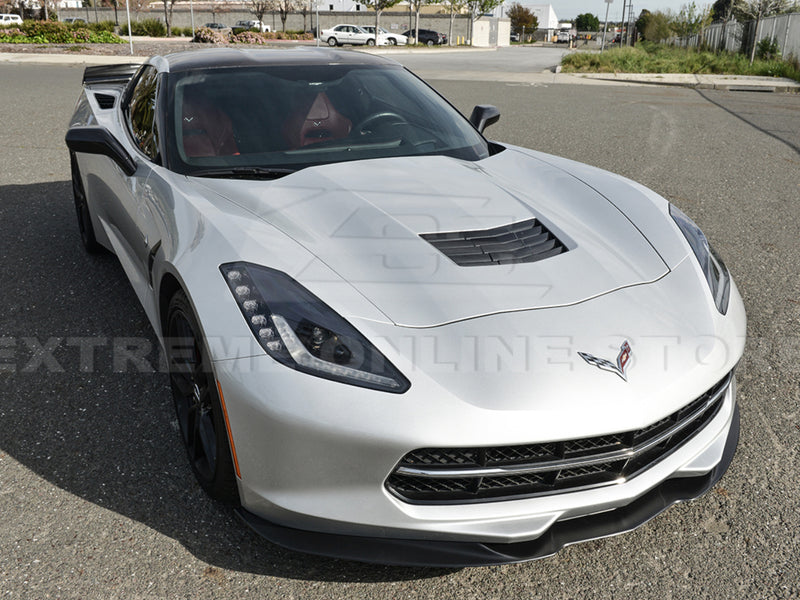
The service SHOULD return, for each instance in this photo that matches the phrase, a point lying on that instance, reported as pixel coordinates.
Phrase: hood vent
(105, 101)
(521, 242)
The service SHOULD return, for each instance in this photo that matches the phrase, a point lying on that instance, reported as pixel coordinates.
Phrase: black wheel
(82, 210)
(370, 42)
(430, 43)
(392, 42)
(332, 42)
(197, 404)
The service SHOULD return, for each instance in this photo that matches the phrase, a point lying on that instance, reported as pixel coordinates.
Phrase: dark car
(217, 26)
(428, 37)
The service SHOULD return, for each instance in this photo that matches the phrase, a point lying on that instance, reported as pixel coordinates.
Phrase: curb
(730, 83)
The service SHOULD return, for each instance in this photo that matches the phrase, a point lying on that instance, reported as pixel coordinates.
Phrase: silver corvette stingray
(390, 339)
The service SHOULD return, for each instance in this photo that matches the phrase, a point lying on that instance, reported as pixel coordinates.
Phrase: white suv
(6, 19)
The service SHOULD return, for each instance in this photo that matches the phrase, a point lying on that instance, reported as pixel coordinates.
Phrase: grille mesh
(105, 101)
(554, 471)
(522, 242)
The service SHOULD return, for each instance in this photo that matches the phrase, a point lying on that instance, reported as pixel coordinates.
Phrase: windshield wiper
(244, 172)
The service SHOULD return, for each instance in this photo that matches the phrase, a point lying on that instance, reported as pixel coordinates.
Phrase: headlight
(302, 332)
(717, 275)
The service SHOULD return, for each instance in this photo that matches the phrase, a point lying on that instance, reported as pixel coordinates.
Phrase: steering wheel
(376, 118)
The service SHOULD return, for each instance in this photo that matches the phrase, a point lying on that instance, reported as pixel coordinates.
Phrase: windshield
(272, 120)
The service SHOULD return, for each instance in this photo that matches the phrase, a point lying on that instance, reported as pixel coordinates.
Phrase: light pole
(605, 26)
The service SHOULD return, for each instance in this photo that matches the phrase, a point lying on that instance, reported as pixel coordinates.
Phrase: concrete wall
(181, 17)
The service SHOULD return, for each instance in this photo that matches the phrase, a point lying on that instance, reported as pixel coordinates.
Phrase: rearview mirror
(98, 140)
(484, 115)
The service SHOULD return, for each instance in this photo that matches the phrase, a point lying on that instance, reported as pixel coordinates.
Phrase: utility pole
(628, 37)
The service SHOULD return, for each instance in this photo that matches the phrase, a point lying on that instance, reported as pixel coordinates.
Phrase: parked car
(75, 21)
(428, 37)
(563, 37)
(351, 34)
(515, 37)
(9, 19)
(251, 24)
(390, 339)
(394, 39)
(217, 26)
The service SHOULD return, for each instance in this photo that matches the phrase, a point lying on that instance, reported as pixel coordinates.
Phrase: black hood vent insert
(521, 242)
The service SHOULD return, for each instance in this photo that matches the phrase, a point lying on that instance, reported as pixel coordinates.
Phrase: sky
(569, 9)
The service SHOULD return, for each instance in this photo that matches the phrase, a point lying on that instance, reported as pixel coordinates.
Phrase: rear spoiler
(110, 73)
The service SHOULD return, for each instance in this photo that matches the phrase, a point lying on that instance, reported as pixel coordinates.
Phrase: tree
(722, 10)
(305, 10)
(168, 6)
(587, 22)
(478, 8)
(691, 20)
(756, 10)
(521, 18)
(379, 6)
(284, 7)
(258, 8)
(658, 27)
(454, 7)
(641, 23)
(416, 6)
(137, 5)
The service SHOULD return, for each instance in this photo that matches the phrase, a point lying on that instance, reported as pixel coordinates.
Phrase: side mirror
(484, 115)
(98, 140)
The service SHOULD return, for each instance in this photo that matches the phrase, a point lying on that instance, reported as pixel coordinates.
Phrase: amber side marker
(228, 427)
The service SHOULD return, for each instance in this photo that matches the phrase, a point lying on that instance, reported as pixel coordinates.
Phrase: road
(97, 499)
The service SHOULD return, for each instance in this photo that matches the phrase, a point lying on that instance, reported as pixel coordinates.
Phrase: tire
(85, 227)
(332, 42)
(370, 42)
(429, 43)
(392, 42)
(197, 404)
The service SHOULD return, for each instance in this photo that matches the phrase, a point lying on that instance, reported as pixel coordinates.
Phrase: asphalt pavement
(97, 499)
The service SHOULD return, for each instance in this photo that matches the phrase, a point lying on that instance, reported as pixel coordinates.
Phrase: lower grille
(459, 475)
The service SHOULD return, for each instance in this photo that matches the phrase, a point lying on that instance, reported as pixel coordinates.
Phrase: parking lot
(98, 501)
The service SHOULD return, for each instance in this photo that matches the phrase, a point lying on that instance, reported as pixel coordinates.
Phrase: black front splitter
(428, 553)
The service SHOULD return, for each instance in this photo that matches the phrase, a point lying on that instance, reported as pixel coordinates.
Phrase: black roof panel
(246, 57)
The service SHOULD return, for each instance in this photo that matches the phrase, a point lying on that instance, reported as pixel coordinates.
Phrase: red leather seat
(321, 122)
(207, 130)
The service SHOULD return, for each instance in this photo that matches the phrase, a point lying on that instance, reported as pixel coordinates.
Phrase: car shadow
(87, 405)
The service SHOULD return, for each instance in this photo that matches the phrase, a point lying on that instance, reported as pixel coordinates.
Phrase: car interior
(293, 116)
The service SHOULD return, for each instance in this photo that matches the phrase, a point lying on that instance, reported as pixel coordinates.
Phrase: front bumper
(315, 455)
(434, 553)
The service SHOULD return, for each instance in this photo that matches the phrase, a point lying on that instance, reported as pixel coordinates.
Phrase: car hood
(364, 220)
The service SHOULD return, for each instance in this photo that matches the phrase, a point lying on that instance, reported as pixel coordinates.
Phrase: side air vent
(105, 101)
(521, 242)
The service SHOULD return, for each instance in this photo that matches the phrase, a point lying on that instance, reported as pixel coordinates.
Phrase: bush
(148, 27)
(768, 49)
(107, 26)
(249, 37)
(649, 57)
(206, 35)
(55, 32)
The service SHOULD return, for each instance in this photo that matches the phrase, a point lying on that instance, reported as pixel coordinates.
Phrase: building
(546, 16)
